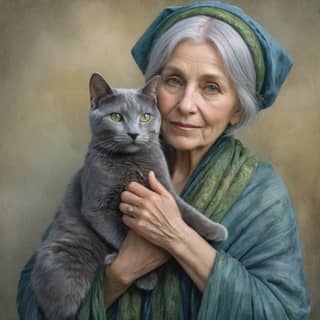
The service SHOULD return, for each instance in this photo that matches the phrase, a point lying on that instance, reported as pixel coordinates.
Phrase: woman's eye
(173, 82)
(211, 89)
(116, 117)
(145, 117)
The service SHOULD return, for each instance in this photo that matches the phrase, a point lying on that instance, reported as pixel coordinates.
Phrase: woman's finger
(138, 189)
(128, 210)
(130, 198)
(128, 221)
(155, 184)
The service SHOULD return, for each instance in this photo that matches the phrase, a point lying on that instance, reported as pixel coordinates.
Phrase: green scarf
(213, 188)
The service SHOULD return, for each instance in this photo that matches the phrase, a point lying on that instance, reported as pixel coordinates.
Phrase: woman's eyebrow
(210, 75)
(216, 77)
(174, 69)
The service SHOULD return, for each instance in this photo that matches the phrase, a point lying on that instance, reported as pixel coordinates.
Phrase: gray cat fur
(87, 227)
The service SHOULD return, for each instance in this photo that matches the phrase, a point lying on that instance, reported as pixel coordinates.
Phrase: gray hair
(232, 48)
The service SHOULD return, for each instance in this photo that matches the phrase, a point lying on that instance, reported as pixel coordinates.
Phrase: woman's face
(196, 97)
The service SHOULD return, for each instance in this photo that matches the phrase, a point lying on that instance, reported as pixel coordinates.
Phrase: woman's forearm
(195, 255)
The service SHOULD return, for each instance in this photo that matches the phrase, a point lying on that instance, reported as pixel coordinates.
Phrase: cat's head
(123, 120)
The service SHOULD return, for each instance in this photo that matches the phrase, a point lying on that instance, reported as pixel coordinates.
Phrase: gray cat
(87, 228)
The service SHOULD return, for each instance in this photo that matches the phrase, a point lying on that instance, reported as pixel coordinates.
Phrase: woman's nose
(187, 103)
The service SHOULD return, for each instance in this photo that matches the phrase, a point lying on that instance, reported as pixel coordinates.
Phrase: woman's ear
(235, 116)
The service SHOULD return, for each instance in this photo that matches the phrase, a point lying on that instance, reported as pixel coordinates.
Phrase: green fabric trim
(238, 24)
(223, 179)
(166, 306)
(130, 304)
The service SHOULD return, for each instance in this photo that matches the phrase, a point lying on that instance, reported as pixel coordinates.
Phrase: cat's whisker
(109, 147)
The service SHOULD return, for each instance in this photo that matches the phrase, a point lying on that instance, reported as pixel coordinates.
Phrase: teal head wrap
(272, 63)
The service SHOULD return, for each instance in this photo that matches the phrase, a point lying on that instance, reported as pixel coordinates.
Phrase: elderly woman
(218, 68)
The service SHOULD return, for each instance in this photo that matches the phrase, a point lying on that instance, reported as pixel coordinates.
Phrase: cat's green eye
(116, 117)
(145, 117)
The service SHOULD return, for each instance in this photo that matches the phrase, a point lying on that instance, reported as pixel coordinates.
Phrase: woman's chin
(182, 143)
(187, 144)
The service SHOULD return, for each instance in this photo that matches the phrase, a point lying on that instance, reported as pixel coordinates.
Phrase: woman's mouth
(183, 126)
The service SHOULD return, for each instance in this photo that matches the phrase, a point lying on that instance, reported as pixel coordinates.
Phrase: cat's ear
(98, 88)
(151, 87)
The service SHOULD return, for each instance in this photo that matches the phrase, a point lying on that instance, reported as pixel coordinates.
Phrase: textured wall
(47, 53)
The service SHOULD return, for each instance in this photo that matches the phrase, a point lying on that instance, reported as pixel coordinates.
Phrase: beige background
(48, 51)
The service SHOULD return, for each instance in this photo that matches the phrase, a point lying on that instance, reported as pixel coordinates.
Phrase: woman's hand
(153, 214)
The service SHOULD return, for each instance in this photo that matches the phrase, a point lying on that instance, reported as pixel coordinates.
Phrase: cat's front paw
(218, 232)
(110, 258)
(147, 282)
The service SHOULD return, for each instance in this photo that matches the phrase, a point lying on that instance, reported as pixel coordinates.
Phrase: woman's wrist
(114, 284)
(120, 273)
(176, 244)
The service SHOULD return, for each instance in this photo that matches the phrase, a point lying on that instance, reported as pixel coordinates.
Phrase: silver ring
(130, 211)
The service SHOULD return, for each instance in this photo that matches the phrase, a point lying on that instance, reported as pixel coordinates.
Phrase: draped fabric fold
(258, 272)
(249, 279)
(221, 177)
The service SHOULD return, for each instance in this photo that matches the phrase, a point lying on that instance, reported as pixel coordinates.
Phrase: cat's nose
(133, 135)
